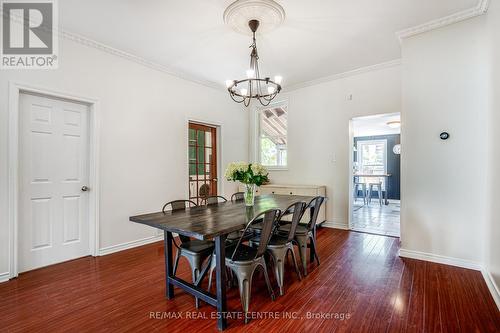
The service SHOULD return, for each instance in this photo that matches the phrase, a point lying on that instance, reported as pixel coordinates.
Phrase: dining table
(211, 222)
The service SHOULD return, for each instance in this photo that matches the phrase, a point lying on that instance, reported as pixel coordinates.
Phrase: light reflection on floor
(376, 219)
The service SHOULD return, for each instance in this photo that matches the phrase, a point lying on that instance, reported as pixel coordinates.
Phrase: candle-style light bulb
(278, 79)
(229, 83)
(243, 91)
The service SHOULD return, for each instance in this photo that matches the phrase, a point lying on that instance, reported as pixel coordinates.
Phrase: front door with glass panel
(202, 162)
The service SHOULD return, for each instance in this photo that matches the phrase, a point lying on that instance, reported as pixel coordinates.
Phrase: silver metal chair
(195, 251)
(307, 232)
(356, 191)
(280, 245)
(214, 200)
(243, 260)
(378, 188)
(238, 196)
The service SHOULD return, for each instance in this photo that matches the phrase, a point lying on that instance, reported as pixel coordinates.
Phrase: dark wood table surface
(210, 222)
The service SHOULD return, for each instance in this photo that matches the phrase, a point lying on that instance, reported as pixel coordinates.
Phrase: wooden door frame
(15, 90)
(218, 126)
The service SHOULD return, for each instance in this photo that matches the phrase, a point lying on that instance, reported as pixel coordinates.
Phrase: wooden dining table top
(207, 222)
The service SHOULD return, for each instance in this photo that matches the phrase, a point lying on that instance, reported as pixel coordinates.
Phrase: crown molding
(354, 72)
(132, 57)
(480, 9)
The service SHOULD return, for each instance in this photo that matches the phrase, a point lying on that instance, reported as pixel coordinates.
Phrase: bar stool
(378, 187)
(356, 190)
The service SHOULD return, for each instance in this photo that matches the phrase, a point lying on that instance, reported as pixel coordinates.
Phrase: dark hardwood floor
(360, 278)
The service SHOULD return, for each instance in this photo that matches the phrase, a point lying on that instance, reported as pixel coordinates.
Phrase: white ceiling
(375, 125)
(318, 38)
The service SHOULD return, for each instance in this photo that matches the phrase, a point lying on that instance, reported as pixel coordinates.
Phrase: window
(273, 136)
(372, 158)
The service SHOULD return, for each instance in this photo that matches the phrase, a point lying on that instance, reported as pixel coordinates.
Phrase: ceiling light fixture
(254, 87)
(394, 124)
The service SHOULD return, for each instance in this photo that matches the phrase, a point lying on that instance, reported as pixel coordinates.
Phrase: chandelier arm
(232, 97)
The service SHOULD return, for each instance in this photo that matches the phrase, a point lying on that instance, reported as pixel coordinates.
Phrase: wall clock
(397, 149)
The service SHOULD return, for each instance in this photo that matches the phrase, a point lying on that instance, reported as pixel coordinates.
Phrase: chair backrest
(314, 206)
(238, 196)
(179, 205)
(214, 200)
(269, 221)
(297, 210)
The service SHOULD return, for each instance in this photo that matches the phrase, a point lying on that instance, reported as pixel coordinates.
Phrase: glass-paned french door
(202, 162)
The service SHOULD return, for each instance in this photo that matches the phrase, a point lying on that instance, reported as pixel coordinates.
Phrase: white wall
(443, 182)
(143, 134)
(318, 131)
(492, 252)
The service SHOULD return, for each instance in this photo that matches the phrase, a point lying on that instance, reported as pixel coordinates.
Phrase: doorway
(202, 145)
(375, 175)
(53, 200)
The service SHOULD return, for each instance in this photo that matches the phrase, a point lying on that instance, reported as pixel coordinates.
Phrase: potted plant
(249, 174)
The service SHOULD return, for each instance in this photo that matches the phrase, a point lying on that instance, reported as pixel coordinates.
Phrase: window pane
(208, 139)
(268, 152)
(192, 169)
(372, 159)
(273, 136)
(201, 155)
(192, 136)
(208, 155)
(192, 154)
(201, 138)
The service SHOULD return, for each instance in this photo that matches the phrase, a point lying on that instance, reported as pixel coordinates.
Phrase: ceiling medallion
(254, 87)
(268, 12)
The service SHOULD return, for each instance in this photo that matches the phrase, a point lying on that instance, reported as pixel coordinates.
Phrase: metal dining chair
(214, 200)
(307, 232)
(238, 196)
(280, 245)
(195, 251)
(243, 259)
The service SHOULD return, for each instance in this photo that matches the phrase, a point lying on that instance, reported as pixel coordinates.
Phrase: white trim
(492, 286)
(480, 9)
(129, 245)
(336, 224)
(354, 72)
(135, 58)
(15, 89)
(4, 277)
(440, 259)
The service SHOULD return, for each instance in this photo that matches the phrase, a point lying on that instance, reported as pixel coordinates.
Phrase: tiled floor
(376, 219)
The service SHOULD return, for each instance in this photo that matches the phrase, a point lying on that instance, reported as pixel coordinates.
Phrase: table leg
(220, 272)
(169, 288)
(386, 192)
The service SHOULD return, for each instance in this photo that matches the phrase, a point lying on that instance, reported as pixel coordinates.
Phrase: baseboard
(335, 225)
(4, 277)
(129, 245)
(440, 259)
(492, 286)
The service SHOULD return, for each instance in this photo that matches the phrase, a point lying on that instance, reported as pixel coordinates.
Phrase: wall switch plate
(349, 97)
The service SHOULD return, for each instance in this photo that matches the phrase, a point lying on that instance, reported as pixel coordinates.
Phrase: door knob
(85, 188)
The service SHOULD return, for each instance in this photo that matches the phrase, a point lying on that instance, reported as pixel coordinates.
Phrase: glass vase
(249, 194)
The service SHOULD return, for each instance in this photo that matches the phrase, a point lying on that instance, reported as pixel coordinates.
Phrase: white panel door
(53, 209)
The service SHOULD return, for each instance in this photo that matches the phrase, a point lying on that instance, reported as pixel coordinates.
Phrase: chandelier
(254, 87)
